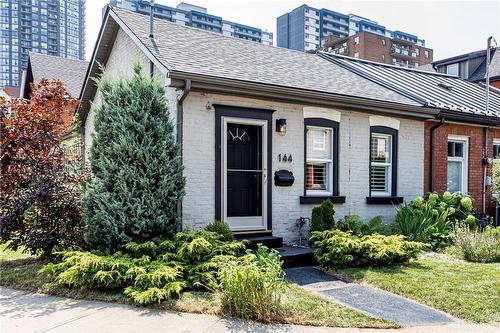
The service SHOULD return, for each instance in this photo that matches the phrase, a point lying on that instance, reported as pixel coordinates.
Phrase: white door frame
(244, 223)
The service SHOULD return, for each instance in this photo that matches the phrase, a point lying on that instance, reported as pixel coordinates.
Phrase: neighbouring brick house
(379, 48)
(455, 151)
(266, 133)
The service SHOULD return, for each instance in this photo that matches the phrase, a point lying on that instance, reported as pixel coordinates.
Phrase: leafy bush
(222, 228)
(335, 248)
(152, 271)
(459, 206)
(355, 225)
(40, 200)
(421, 221)
(251, 285)
(136, 165)
(478, 246)
(323, 216)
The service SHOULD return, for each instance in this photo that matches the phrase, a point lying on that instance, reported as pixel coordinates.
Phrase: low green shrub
(222, 228)
(251, 285)
(323, 216)
(152, 271)
(478, 246)
(335, 248)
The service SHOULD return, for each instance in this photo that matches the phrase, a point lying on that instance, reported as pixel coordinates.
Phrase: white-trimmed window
(381, 164)
(457, 164)
(321, 157)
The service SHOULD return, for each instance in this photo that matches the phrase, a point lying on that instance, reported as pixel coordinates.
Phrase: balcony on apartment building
(405, 64)
(343, 50)
(403, 53)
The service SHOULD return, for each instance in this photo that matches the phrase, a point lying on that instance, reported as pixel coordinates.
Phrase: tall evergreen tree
(136, 165)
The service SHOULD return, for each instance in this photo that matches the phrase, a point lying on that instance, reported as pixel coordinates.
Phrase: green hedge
(335, 248)
(153, 271)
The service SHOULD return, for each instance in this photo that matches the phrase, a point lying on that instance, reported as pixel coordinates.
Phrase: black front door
(244, 170)
(244, 173)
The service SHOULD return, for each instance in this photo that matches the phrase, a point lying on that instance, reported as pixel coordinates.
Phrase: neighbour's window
(383, 162)
(452, 69)
(356, 40)
(496, 150)
(457, 165)
(321, 156)
(356, 54)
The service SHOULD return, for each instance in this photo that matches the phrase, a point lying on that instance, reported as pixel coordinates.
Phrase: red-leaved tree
(40, 199)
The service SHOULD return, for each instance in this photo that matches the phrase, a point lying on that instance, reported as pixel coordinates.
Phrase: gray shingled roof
(71, 72)
(436, 90)
(194, 51)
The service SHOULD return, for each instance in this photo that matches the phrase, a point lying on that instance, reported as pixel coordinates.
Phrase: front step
(267, 240)
(294, 256)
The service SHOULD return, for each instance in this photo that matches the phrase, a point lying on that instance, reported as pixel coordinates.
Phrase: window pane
(380, 176)
(451, 148)
(381, 148)
(459, 149)
(496, 151)
(318, 176)
(454, 176)
(319, 143)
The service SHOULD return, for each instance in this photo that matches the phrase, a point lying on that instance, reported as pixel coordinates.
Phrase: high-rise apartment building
(196, 16)
(306, 28)
(54, 27)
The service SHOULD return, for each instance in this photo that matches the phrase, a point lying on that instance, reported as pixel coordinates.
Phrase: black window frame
(392, 198)
(334, 197)
(496, 146)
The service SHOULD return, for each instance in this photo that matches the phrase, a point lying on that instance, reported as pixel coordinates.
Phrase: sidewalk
(22, 312)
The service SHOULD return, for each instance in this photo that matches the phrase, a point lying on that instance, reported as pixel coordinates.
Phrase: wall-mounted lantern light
(281, 126)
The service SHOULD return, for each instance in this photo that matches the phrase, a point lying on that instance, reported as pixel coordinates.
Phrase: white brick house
(345, 138)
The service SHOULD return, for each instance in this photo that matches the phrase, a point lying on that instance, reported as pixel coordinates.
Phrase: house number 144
(285, 158)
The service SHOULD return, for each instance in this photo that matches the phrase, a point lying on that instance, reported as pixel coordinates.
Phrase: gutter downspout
(180, 121)
(431, 160)
(485, 167)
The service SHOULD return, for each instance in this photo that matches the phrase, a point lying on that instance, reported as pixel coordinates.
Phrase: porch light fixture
(281, 126)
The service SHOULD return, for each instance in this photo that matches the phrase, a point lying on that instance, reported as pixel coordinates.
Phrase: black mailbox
(283, 178)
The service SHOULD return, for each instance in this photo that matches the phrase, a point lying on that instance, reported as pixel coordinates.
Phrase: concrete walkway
(21, 312)
(369, 300)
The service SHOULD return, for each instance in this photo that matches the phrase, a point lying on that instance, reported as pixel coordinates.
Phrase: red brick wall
(495, 84)
(475, 166)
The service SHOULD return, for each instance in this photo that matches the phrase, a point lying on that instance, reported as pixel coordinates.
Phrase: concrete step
(269, 241)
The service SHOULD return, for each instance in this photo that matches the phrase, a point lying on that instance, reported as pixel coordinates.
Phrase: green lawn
(300, 307)
(465, 290)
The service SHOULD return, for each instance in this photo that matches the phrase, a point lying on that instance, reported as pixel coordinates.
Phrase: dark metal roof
(433, 89)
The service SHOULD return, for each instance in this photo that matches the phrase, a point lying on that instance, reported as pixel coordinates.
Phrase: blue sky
(448, 27)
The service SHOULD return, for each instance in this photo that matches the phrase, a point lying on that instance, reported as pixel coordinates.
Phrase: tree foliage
(40, 207)
(136, 166)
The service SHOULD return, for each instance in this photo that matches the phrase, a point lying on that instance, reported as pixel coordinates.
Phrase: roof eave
(310, 97)
(470, 118)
